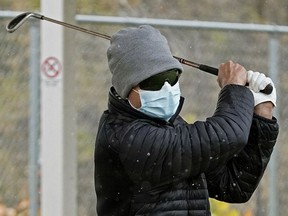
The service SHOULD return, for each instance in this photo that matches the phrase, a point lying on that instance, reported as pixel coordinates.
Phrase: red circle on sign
(51, 67)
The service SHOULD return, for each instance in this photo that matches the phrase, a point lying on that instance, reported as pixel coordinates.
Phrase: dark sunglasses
(156, 82)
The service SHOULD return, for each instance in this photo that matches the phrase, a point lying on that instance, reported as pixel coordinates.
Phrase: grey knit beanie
(136, 54)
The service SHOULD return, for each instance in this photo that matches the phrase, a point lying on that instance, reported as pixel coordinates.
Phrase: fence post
(273, 165)
(58, 112)
(34, 118)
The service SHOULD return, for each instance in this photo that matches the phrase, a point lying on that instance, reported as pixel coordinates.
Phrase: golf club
(17, 21)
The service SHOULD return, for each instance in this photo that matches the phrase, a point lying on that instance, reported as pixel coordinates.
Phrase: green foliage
(97, 8)
(85, 151)
(221, 208)
(190, 117)
(20, 5)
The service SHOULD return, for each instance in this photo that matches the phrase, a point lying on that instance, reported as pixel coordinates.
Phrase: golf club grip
(208, 69)
(267, 90)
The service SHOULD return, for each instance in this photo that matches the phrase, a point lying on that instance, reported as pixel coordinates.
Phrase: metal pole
(273, 165)
(34, 120)
(58, 114)
(192, 24)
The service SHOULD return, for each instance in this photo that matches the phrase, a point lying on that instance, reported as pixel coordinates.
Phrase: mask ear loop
(135, 90)
(132, 105)
(130, 101)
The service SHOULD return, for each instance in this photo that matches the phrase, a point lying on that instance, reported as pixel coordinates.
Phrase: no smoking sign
(51, 67)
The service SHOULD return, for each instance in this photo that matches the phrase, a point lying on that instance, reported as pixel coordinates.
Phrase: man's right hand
(231, 73)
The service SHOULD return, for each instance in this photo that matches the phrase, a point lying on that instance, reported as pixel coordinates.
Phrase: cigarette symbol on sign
(51, 67)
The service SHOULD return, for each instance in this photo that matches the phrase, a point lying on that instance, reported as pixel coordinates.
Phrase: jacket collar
(116, 104)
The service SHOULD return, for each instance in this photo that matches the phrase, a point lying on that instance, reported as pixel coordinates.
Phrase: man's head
(136, 54)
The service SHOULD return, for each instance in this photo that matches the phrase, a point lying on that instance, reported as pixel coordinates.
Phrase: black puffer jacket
(144, 166)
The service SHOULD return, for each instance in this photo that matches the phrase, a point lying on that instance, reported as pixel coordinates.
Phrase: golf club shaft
(77, 28)
(15, 23)
(20, 19)
(202, 67)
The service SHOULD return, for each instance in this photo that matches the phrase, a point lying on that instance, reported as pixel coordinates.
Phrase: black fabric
(146, 166)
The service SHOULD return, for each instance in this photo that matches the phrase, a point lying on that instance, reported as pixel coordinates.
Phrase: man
(149, 161)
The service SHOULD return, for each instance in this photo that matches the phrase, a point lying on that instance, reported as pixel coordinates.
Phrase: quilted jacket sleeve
(160, 153)
(237, 181)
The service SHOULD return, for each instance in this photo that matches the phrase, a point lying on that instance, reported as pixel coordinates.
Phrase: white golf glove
(257, 82)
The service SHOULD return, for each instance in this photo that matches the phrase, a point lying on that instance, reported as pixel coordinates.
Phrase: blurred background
(212, 47)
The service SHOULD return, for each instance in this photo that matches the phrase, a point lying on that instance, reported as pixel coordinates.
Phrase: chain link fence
(200, 90)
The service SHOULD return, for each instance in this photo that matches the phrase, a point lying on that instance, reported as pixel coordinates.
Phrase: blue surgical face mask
(160, 104)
